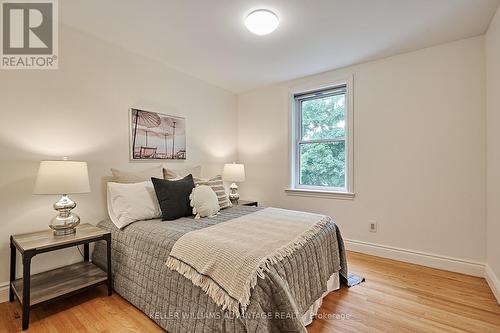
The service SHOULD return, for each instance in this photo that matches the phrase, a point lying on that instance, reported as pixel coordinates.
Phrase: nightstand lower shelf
(61, 281)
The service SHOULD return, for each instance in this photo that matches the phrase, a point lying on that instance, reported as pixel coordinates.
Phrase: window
(322, 149)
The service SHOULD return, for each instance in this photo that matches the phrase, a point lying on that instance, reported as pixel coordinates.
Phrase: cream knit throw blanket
(225, 259)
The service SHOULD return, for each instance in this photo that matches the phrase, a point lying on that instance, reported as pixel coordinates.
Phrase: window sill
(319, 194)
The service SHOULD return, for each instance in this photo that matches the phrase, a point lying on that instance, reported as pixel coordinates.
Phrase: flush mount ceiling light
(262, 22)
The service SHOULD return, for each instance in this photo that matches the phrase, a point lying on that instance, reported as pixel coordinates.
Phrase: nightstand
(32, 290)
(247, 203)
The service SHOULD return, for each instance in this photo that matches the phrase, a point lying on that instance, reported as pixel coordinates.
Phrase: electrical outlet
(372, 224)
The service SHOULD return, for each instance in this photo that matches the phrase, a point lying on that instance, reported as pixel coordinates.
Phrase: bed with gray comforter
(139, 253)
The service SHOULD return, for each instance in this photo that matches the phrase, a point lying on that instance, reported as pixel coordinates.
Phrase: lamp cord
(81, 253)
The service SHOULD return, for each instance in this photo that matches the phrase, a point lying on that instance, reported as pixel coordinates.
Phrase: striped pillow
(218, 186)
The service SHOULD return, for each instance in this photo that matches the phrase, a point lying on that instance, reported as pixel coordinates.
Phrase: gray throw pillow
(173, 197)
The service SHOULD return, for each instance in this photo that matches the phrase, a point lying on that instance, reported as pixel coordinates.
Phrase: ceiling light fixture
(262, 22)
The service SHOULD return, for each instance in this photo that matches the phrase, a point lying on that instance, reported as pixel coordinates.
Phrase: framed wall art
(156, 136)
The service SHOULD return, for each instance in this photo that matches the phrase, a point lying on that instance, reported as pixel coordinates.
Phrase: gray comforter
(140, 250)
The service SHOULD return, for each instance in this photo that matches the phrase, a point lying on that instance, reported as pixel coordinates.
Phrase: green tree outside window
(322, 141)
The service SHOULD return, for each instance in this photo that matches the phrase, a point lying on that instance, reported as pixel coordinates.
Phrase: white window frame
(296, 188)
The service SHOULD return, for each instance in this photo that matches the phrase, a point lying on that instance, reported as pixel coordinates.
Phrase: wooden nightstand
(33, 290)
(247, 203)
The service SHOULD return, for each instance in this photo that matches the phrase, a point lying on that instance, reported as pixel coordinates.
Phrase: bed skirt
(332, 284)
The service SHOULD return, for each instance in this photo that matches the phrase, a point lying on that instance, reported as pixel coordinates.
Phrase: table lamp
(234, 173)
(63, 178)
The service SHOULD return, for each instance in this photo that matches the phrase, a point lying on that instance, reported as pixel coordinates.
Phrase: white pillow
(128, 203)
(217, 186)
(124, 176)
(172, 174)
(204, 201)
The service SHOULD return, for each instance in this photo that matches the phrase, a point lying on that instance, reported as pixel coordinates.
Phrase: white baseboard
(493, 281)
(4, 292)
(420, 258)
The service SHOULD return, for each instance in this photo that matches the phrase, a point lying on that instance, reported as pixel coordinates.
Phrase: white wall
(81, 111)
(493, 144)
(419, 150)
(420, 141)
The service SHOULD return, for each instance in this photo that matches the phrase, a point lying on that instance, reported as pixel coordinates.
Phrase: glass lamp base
(234, 196)
(64, 223)
(64, 232)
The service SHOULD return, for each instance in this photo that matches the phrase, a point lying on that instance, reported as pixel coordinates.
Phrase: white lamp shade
(234, 172)
(62, 177)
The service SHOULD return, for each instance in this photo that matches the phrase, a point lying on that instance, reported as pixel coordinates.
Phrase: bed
(284, 301)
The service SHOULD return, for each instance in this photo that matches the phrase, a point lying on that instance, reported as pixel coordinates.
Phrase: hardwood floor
(400, 297)
(397, 297)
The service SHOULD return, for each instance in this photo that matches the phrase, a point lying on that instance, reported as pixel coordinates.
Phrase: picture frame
(156, 136)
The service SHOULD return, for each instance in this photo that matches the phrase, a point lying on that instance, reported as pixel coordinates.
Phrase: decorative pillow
(173, 196)
(181, 173)
(217, 186)
(122, 176)
(128, 203)
(204, 201)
